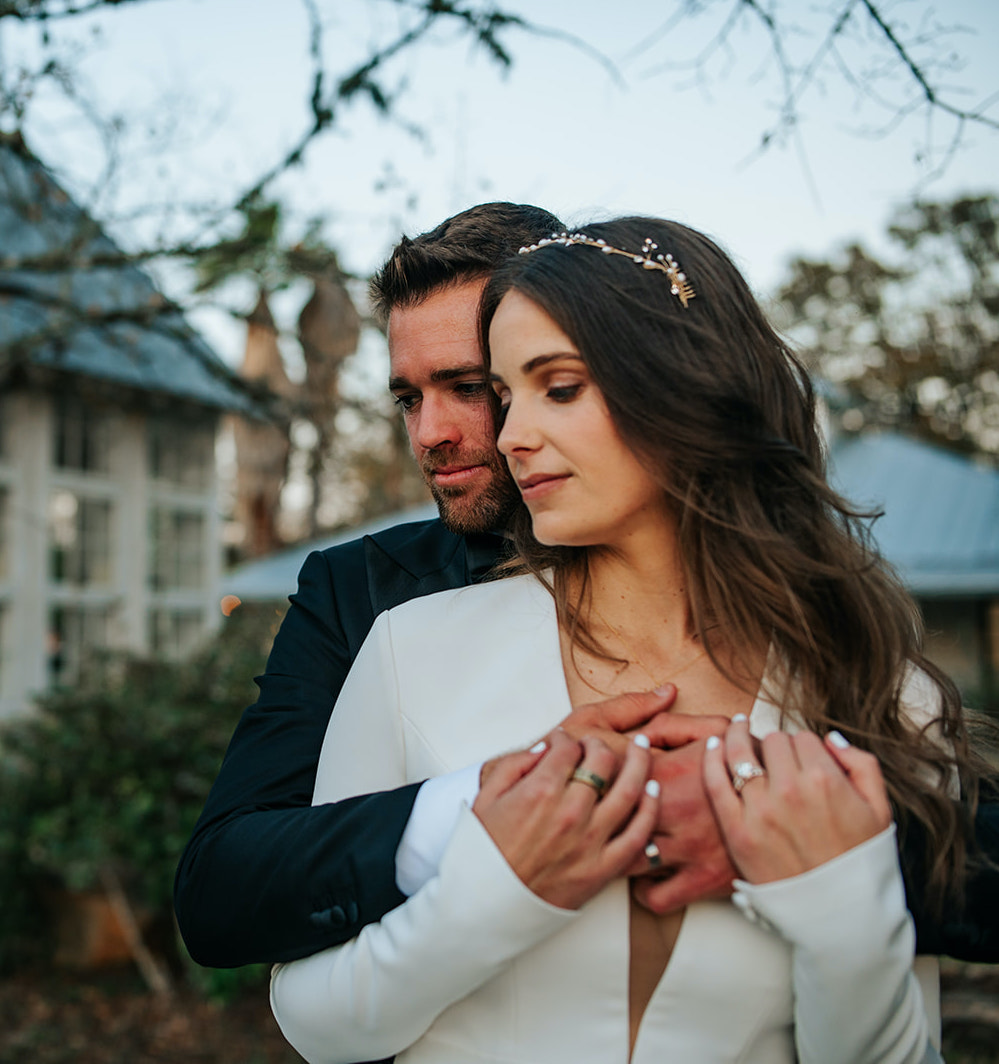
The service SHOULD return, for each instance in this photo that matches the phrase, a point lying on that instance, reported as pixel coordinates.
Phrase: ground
(112, 1019)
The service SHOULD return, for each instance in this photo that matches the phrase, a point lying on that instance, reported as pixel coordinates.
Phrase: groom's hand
(617, 720)
(692, 862)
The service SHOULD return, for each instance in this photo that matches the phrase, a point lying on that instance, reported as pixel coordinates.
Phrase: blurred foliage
(262, 250)
(114, 772)
(911, 343)
(223, 985)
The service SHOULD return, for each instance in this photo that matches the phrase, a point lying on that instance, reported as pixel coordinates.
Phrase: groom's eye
(471, 389)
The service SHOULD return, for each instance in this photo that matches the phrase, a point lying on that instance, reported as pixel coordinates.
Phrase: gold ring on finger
(591, 779)
(743, 772)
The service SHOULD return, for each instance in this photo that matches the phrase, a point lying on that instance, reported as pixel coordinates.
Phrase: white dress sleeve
(856, 997)
(378, 993)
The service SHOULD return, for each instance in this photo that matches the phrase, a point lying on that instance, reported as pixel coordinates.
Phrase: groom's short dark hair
(465, 247)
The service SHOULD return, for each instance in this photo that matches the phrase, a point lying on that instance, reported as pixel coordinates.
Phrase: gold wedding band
(743, 772)
(591, 779)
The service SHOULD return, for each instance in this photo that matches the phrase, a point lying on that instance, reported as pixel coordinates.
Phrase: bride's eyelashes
(564, 393)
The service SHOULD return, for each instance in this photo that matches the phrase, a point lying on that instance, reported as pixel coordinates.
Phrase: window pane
(79, 539)
(74, 633)
(82, 437)
(175, 633)
(181, 452)
(177, 548)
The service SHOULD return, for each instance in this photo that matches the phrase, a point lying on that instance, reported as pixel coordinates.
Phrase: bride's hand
(809, 801)
(563, 839)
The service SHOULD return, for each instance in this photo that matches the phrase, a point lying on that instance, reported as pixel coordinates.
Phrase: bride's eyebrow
(538, 361)
(542, 360)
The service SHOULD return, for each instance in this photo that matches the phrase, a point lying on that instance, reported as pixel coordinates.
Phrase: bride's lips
(540, 484)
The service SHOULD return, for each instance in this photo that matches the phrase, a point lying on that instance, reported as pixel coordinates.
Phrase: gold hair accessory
(679, 285)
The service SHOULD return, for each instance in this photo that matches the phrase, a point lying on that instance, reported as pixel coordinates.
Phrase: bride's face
(580, 481)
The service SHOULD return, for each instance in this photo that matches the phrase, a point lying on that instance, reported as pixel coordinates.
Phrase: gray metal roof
(276, 576)
(76, 309)
(940, 527)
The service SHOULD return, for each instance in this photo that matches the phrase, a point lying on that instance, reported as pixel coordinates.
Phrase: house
(940, 529)
(109, 402)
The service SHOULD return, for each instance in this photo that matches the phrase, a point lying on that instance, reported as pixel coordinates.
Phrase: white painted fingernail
(739, 718)
(713, 742)
(654, 855)
(652, 788)
(539, 748)
(642, 741)
(838, 740)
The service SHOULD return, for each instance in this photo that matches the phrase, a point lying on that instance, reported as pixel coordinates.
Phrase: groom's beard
(483, 505)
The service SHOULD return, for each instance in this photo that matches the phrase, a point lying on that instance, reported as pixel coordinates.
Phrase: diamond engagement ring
(743, 772)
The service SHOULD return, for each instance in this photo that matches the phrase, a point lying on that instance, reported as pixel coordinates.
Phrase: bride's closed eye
(563, 393)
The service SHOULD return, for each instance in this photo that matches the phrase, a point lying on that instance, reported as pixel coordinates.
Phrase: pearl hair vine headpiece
(679, 285)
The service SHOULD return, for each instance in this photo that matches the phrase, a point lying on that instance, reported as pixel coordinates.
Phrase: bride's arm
(377, 994)
(856, 997)
(814, 842)
(536, 847)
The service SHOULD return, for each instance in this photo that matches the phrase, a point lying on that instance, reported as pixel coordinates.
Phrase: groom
(267, 877)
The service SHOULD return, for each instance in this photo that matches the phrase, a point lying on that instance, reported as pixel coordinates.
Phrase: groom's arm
(266, 876)
(969, 932)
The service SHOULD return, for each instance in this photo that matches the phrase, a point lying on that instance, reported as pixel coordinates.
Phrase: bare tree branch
(482, 23)
(48, 10)
(797, 79)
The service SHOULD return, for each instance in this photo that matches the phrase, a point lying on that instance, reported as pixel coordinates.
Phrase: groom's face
(437, 379)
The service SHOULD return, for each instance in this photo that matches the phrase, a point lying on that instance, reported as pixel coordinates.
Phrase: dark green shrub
(113, 772)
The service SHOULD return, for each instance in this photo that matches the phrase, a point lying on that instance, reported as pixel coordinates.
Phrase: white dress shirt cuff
(431, 824)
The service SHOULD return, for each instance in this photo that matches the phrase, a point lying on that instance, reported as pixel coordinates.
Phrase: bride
(677, 527)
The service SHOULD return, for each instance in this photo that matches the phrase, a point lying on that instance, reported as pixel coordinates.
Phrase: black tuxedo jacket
(266, 877)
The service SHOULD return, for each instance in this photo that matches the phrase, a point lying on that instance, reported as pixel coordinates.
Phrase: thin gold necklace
(634, 659)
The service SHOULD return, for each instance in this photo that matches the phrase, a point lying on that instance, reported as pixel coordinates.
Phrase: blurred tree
(912, 344)
(262, 448)
(354, 459)
(329, 328)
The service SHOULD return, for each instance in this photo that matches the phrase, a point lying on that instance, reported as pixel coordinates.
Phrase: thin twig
(156, 977)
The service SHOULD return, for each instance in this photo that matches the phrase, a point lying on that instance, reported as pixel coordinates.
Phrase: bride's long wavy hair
(723, 413)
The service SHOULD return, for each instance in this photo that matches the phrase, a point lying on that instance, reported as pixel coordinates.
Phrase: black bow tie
(482, 550)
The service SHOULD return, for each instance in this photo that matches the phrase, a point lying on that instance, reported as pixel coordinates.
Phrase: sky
(223, 85)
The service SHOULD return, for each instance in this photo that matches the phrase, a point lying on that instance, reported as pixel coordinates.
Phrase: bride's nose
(517, 431)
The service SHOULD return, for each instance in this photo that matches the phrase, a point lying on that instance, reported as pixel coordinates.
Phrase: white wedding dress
(475, 968)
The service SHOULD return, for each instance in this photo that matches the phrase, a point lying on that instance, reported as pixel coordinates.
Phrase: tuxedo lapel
(400, 568)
